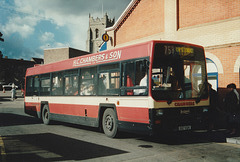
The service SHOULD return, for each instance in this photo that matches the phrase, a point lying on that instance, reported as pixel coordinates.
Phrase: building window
(212, 72)
(97, 33)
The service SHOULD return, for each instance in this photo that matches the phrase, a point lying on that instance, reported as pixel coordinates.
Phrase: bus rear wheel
(109, 123)
(46, 115)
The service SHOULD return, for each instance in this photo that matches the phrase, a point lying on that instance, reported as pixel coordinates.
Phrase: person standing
(213, 110)
(13, 96)
(143, 83)
(232, 108)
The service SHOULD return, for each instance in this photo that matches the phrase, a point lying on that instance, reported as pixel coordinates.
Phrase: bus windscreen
(178, 72)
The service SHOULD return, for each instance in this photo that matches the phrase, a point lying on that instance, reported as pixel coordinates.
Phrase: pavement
(6, 103)
(233, 140)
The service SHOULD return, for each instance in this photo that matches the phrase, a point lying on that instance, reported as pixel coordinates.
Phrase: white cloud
(53, 45)
(60, 13)
(22, 25)
(72, 14)
(47, 37)
(26, 16)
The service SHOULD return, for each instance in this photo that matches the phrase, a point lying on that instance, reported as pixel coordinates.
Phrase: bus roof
(119, 54)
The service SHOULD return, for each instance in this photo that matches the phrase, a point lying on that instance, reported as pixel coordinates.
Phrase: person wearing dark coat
(232, 108)
(213, 110)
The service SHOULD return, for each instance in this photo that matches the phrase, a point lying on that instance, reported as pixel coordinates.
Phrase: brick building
(213, 24)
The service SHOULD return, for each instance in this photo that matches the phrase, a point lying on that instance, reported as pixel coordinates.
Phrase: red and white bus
(148, 87)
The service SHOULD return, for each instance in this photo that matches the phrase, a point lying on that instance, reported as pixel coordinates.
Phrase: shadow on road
(3, 99)
(8, 119)
(182, 138)
(52, 147)
(179, 138)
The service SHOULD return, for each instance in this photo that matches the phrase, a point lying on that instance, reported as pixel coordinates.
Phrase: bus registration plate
(183, 128)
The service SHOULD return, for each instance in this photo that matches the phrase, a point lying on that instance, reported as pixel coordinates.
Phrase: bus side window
(135, 78)
(57, 84)
(45, 85)
(128, 78)
(129, 84)
(71, 83)
(36, 85)
(141, 78)
(102, 83)
(108, 83)
(29, 86)
(68, 86)
(75, 85)
(88, 82)
(109, 79)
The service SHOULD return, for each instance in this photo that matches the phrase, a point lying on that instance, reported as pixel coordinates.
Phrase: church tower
(95, 31)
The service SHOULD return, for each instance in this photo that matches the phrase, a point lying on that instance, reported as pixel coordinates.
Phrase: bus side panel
(140, 128)
(75, 110)
(133, 114)
(74, 113)
(82, 120)
(32, 108)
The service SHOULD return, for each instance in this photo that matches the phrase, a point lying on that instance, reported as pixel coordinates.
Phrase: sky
(30, 26)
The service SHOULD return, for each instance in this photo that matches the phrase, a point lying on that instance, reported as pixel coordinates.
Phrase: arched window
(212, 73)
(91, 34)
(97, 33)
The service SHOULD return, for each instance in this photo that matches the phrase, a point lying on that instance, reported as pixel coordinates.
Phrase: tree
(1, 39)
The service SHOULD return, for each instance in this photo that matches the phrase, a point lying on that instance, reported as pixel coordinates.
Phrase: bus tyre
(109, 123)
(45, 115)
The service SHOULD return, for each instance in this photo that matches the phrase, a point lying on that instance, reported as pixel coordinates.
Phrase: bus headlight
(159, 112)
(205, 109)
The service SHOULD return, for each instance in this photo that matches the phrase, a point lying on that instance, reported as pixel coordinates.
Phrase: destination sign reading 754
(181, 51)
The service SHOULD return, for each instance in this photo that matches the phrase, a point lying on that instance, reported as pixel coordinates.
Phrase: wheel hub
(109, 123)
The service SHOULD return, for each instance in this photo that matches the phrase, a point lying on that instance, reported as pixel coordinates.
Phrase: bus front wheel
(109, 123)
(45, 115)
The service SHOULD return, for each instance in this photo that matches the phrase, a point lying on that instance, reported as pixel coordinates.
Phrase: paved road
(24, 138)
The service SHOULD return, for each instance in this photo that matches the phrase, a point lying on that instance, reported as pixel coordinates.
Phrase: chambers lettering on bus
(105, 57)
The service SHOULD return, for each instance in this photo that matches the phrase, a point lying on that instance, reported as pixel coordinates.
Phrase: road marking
(2, 151)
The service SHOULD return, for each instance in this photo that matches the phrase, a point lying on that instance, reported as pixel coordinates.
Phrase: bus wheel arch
(45, 113)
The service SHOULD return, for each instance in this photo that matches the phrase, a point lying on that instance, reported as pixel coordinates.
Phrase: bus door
(36, 85)
(32, 92)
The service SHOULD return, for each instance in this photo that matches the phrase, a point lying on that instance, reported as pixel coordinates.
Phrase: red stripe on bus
(133, 114)
(34, 106)
(76, 110)
(128, 114)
